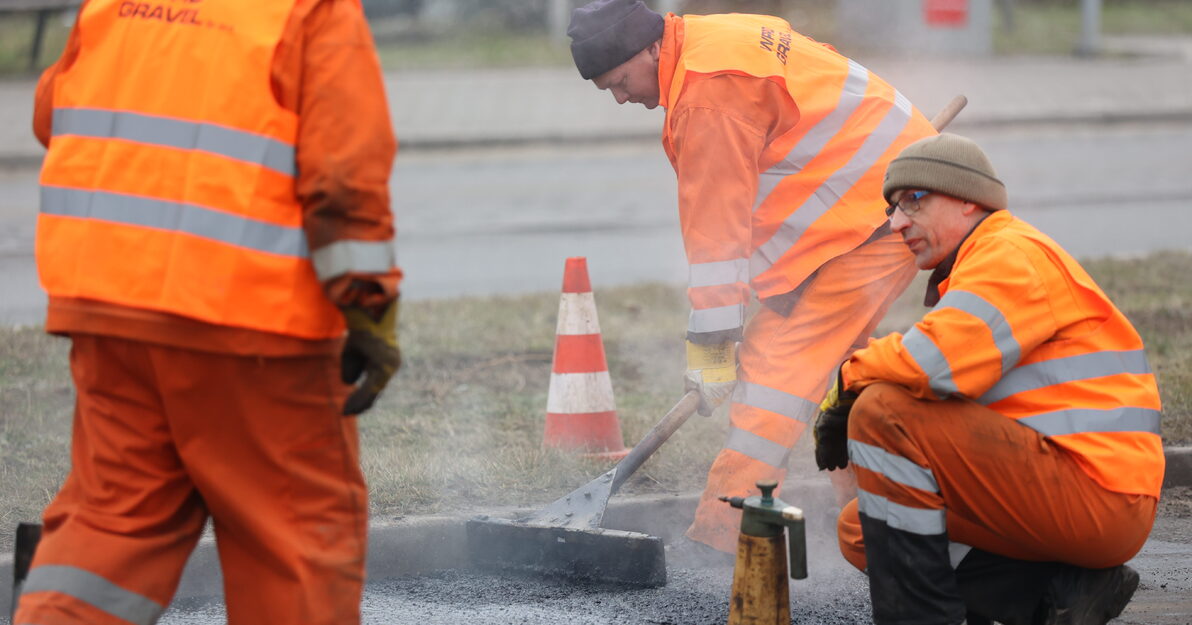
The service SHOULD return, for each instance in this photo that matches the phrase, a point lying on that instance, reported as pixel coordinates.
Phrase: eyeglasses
(909, 203)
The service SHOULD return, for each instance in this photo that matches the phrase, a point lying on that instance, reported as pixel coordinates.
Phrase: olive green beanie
(948, 164)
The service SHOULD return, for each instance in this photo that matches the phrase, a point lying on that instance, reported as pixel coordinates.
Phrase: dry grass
(461, 427)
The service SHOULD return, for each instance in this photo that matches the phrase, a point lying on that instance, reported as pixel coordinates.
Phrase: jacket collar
(943, 271)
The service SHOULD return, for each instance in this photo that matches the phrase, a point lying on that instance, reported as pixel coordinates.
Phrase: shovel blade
(582, 508)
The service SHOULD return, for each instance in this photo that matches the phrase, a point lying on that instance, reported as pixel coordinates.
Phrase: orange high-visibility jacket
(806, 166)
(169, 184)
(1024, 330)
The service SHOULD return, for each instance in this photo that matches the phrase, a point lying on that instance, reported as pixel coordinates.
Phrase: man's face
(935, 227)
(635, 80)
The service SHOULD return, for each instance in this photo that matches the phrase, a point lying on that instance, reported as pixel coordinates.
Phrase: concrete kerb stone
(420, 545)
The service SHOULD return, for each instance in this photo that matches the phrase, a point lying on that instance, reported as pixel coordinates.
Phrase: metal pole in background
(558, 17)
(1090, 28)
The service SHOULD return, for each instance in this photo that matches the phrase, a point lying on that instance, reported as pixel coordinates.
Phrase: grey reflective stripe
(718, 273)
(1003, 334)
(757, 447)
(836, 186)
(931, 361)
(894, 467)
(1069, 369)
(1085, 420)
(716, 319)
(176, 133)
(957, 552)
(920, 521)
(353, 256)
(94, 590)
(812, 143)
(175, 216)
(774, 400)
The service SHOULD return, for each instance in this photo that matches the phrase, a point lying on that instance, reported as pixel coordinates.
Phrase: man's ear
(969, 209)
(655, 49)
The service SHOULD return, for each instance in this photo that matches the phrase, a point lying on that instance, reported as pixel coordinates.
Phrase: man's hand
(712, 370)
(831, 427)
(372, 352)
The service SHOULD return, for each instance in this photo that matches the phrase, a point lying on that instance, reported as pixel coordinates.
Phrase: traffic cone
(580, 412)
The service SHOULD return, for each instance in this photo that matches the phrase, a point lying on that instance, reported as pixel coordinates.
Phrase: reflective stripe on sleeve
(774, 400)
(353, 256)
(93, 590)
(1003, 334)
(836, 186)
(719, 273)
(176, 133)
(716, 319)
(812, 143)
(757, 447)
(931, 361)
(176, 217)
(1069, 369)
(915, 520)
(896, 468)
(1087, 420)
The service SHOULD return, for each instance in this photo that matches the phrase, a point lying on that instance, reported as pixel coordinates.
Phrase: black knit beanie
(606, 33)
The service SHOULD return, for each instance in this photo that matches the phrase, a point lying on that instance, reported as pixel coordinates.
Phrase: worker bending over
(1007, 446)
(779, 144)
(214, 206)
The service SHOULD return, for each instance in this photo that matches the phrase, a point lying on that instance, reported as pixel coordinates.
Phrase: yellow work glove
(371, 355)
(831, 426)
(712, 370)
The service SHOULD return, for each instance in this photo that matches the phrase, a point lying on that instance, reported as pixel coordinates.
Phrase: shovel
(565, 537)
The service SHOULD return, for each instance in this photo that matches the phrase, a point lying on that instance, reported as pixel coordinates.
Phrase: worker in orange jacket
(779, 144)
(214, 222)
(1007, 446)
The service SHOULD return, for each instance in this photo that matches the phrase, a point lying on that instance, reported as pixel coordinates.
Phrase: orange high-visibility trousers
(785, 362)
(164, 437)
(1005, 488)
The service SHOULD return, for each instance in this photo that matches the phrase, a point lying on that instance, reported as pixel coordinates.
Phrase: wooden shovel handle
(948, 113)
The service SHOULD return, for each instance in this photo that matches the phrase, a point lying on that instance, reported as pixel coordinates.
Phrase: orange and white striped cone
(580, 412)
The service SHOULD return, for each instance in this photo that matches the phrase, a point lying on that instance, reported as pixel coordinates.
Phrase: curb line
(420, 545)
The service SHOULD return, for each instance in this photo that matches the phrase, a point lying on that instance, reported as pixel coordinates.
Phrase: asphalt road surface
(834, 594)
(504, 220)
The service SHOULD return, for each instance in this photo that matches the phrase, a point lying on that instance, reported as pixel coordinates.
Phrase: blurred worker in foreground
(779, 144)
(1007, 447)
(214, 208)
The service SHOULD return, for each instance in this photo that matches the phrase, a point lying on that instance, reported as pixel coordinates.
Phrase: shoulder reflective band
(757, 447)
(175, 217)
(932, 360)
(1068, 369)
(353, 256)
(94, 590)
(896, 468)
(814, 141)
(718, 273)
(836, 186)
(716, 319)
(1088, 420)
(176, 133)
(774, 400)
(920, 521)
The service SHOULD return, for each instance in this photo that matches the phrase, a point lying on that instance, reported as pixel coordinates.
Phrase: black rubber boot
(1079, 596)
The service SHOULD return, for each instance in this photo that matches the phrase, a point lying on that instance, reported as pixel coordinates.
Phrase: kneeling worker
(1007, 446)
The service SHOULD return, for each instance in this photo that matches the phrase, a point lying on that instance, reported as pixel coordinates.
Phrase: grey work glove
(831, 427)
(371, 355)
